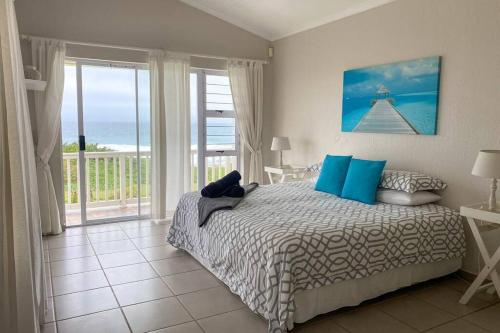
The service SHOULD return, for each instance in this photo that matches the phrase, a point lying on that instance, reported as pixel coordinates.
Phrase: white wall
(307, 88)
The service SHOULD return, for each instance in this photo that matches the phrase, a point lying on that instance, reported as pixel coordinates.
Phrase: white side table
(475, 213)
(286, 173)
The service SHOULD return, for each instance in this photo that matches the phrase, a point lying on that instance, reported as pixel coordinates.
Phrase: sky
(108, 94)
(403, 78)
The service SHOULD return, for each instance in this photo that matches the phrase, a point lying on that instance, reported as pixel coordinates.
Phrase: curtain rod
(140, 49)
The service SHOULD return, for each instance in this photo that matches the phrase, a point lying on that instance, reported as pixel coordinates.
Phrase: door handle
(81, 141)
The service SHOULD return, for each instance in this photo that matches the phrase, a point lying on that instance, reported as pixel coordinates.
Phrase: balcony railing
(111, 177)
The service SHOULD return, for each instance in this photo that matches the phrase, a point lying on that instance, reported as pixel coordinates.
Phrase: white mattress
(313, 302)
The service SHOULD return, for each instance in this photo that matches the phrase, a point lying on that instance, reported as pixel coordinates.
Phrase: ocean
(419, 109)
(121, 136)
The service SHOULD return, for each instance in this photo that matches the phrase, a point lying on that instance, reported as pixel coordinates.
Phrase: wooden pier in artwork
(383, 117)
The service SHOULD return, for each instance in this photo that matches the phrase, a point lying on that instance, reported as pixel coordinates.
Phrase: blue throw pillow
(333, 172)
(362, 180)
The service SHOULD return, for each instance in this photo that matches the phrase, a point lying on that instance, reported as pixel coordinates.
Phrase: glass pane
(221, 133)
(217, 167)
(218, 93)
(109, 114)
(220, 98)
(222, 80)
(194, 130)
(69, 130)
(143, 90)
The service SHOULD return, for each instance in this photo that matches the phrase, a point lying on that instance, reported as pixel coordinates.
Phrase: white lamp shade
(280, 143)
(487, 164)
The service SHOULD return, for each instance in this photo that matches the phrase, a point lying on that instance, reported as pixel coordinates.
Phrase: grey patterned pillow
(410, 181)
(312, 172)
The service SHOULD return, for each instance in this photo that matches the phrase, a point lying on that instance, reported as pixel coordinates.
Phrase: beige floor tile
(107, 236)
(72, 232)
(183, 283)
(488, 318)
(113, 246)
(141, 291)
(50, 315)
(210, 302)
(72, 252)
(78, 282)
(362, 320)
(241, 321)
(145, 317)
(84, 302)
(175, 265)
(111, 321)
(322, 326)
(144, 242)
(457, 326)
(143, 224)
(72, 266)
(49, 328)
(147, 232)
(121, 258)
(102, 228)
(447, 300)
(415, 312)
(191, 327)
(130, 273)
(161, 252)
(57, 242)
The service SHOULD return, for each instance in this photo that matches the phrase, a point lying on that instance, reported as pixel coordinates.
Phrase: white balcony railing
(111, 177)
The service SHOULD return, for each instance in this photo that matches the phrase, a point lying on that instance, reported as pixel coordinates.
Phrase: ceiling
(275, 19)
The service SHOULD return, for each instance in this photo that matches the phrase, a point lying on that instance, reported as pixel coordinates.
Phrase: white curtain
(48, 57)
(21, 262)
(247, 84)
(170, 119)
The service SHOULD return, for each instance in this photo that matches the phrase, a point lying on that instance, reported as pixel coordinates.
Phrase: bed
(292, 253)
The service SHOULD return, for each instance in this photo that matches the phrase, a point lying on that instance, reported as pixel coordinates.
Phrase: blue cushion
(332, 176)
(362, 180)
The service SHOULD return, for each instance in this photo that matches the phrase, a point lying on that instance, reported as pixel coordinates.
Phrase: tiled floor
(123, 277)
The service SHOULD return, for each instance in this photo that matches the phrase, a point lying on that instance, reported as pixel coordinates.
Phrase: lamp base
(492, 203)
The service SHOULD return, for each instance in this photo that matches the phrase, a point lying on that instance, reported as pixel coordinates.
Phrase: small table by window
(475, 213)
(285, 173)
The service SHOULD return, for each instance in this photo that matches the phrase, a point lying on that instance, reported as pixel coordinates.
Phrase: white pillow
(406, 199)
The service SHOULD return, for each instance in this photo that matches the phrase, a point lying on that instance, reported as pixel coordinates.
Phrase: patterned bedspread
(287, 237)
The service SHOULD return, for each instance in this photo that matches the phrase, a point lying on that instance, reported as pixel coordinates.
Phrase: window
(214, 137)
(107, 106)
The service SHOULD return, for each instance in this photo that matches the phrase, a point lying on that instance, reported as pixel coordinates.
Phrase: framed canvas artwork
(397, 98)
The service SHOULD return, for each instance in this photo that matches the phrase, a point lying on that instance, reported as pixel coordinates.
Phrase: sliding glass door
(107, 160)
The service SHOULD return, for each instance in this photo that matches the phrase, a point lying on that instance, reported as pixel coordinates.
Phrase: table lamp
(280, 143)
(487, 165)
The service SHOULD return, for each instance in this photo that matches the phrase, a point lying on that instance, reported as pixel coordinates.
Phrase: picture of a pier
(399, 98)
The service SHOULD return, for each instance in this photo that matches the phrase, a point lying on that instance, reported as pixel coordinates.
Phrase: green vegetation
(96, 173)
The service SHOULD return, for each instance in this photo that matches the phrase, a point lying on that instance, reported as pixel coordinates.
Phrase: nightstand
(285, 173)
(477, 213)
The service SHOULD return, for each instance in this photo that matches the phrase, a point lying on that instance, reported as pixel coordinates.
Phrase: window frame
(203, 114)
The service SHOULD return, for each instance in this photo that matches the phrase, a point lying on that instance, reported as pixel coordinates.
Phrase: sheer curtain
(21, 262)
(247, 83)
(48, 57)
(171, 130)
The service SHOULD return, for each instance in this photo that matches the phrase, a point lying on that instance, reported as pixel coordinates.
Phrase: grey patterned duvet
(285, 238)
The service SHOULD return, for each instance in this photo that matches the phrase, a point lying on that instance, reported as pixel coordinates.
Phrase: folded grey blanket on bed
(206, 206)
